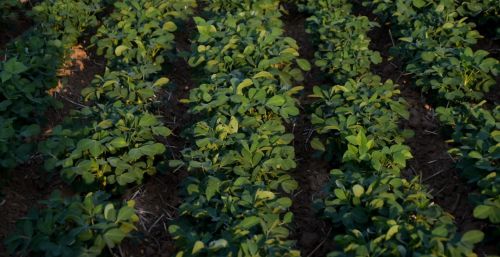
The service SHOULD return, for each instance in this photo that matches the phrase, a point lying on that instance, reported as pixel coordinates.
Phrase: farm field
(249, 128)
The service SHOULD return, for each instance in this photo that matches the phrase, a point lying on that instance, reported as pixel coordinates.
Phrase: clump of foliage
(68, 227)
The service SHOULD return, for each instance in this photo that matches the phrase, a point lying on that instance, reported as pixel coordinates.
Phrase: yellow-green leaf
(198, 246)
(169, 26)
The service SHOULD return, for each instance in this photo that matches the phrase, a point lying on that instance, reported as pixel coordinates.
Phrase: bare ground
(313, 235)
(158, 199)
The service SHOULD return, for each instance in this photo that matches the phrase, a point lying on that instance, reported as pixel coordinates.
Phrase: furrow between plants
(436, 42)
(374, 211)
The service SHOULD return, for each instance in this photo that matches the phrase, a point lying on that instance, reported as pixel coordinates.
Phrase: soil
(158, 199)
(313, 235)
(74, 76)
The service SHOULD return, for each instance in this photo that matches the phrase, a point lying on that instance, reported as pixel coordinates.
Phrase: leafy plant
(251, 219)
(30, 68)
(342, 42)
(141, 31)
(263, 7)
(112, 147)
(249, 44)
(388, 216)
(76, 226)
(476, 135)
(240, 152)
(456, 74)
(128, 88)
(366, 106)
(488, 202)
(68, 18)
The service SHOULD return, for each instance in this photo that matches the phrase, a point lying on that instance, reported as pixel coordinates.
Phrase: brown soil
(158, 199)
(314, 235)
(156, 202)
(26, 184)
(74, 76)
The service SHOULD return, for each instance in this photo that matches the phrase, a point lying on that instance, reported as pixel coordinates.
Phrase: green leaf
(198, 246)
(249, 222)
(95, 148)
(358, 190)
(162, 131)
(276, 100)
(391, 232)
(427, 56)
(125, 178)
(263, 74)
(161, 82)
(233, 125)
(125, 213)
(113, 236)
(29, 131)
(119, 50)
(475, 155)
(110, 212)
(316, 144)
(304, 64)
(118, 142)
(482, 211)
(418, 3)
(245, 83)
(268, 195)
(105, 124)
(152, 150)
(340, 194)
(289, 185)
(148, 120)
(218, 244)
(169, 26)
(213, 185)
(376, 58)
(175, 163)
(472, 237)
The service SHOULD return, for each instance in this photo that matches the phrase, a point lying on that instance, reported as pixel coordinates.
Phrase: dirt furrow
(313, 235)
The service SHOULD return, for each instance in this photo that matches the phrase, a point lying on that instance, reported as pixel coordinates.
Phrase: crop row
(110, 144)
(375, 212)
(29, 68)
(436, 42)
(234, 201)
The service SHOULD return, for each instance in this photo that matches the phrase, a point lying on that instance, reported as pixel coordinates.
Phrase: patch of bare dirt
(156, 202)
(158, 199)
(313, 235)
(75, 75)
